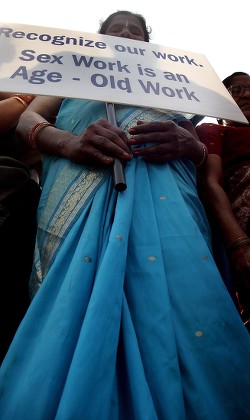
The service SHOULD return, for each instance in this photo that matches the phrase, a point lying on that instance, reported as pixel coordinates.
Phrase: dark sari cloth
(19, 195)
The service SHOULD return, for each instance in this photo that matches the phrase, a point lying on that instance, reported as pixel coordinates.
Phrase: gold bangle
(24, 98)
(21, 101)
(204, 155)
(238, 243)
(35, 130)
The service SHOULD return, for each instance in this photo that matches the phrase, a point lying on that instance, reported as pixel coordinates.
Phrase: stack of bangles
(35, 130)
(238, 243)
(24, 99)
(204, 155)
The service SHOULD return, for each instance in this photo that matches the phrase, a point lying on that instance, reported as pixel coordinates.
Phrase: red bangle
(35, 130)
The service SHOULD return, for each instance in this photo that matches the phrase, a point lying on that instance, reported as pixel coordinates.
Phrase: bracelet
(204, 156)
(20, 100)
(35, 130)
(238, 243)
(24, 99)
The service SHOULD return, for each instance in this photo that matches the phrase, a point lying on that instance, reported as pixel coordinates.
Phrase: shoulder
(212, 136)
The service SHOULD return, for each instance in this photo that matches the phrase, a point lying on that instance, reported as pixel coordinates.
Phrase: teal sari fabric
(130, 317)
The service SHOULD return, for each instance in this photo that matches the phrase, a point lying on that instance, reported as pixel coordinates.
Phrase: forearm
(5, 95)
(220, 209)
(10, 110)
(196, 151)
(53, 141)
(198, 154)
(42, 109)
(48, 139)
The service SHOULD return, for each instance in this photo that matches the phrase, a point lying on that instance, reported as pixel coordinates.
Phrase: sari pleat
(131, 319)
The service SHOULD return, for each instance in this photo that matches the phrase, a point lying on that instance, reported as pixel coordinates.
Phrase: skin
(10, 111)
(101, 142)
(125, 27)
(220, 206)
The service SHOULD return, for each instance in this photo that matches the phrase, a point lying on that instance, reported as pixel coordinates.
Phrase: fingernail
(131, 130)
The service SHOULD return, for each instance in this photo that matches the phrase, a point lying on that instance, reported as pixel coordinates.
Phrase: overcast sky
(218, 31)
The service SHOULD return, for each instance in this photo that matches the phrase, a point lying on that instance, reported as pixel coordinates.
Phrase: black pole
(118, 171)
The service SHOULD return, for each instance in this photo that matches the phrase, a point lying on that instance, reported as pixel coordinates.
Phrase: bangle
(238, 243)
(20, 100)
(24, 99)
(204, 155)
(35, 130)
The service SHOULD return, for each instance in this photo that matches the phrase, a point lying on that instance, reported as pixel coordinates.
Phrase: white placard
(60, 62)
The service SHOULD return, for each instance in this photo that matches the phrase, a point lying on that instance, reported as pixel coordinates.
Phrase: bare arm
(10, 110)
(6, 95)
(99, 143)
(218, 201)
(43, 108)
(220, 207)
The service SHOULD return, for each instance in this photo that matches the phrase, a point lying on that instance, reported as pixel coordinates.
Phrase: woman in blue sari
(132, 319)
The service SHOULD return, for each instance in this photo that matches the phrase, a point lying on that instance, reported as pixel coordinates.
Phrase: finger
(107, 148)
(159, 153)
(156, 137)
(154, 150)
(104, 129)
(188, 125)
(112, 143)
(154, 126)
(100, 158)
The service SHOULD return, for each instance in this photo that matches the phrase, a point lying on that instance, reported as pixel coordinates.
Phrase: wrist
(64, 148)
(34, 132)
(238, 243)
(203, 157)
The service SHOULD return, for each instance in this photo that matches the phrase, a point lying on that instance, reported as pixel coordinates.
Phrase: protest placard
(65, 63)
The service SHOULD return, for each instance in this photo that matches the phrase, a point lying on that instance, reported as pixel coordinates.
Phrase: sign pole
(118, 171)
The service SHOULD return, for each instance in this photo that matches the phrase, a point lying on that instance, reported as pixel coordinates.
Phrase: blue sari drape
(132, 319)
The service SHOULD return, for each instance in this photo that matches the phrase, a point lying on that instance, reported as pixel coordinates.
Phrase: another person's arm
(11, 107)
(216, 199)
(221, 210)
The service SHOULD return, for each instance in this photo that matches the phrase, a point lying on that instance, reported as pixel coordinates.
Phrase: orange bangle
(24, 99)
(21, 101)
(35, 130)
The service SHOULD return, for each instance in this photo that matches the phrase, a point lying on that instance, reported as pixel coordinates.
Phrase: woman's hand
(99, 143)
(168, 141)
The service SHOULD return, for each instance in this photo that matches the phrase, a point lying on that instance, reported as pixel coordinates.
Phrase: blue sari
(132, 319)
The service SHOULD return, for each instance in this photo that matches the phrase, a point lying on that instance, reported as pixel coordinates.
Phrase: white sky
(217, 30)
